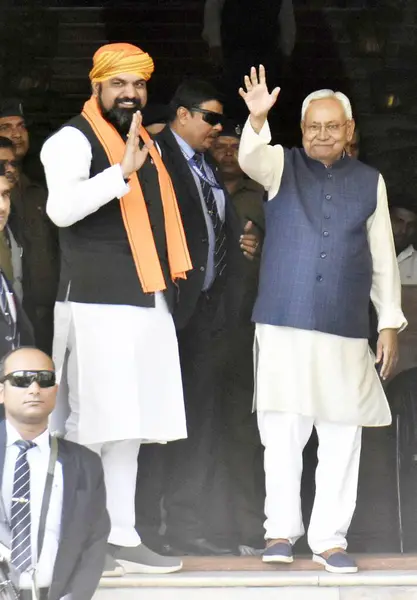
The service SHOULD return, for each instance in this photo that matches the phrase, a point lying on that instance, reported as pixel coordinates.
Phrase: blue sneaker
(338, 562)
(281, 552)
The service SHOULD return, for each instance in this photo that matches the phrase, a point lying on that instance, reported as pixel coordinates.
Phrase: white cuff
(392, 320)
(118, 181)
(257, 139)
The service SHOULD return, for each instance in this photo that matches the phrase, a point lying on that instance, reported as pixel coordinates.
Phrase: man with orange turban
(123, 248)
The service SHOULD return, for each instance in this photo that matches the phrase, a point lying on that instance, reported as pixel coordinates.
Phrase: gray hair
(320, 94)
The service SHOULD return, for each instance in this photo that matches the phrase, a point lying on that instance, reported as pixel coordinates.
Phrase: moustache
(137, 104)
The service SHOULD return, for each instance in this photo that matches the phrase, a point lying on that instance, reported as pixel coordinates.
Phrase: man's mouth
(126, 103)
(212, 137)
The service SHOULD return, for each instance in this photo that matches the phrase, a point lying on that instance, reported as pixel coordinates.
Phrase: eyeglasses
(10, 163)
(209, 116)
(332, 129)
(23, 379)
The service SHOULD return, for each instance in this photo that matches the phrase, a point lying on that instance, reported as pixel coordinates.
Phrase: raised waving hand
(134, 156)
(257, 97)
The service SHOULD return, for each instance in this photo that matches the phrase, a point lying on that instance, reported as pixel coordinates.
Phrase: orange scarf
(135, 213)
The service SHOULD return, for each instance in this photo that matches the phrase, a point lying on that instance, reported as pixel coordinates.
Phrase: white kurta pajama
(309, 378)
(120, 369)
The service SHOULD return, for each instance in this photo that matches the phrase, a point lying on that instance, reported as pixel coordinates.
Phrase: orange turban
(112, 60)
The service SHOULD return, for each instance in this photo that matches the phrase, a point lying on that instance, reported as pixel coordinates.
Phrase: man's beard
(120, 118)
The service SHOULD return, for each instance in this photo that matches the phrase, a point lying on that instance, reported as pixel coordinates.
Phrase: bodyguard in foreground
(61, 551)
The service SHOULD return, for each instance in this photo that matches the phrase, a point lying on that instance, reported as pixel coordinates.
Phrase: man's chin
(324, 153)
(120, 118)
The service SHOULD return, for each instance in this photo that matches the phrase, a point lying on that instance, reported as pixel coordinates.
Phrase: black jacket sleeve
(87, 574)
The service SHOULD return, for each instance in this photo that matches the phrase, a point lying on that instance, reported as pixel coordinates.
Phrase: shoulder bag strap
(47, 492)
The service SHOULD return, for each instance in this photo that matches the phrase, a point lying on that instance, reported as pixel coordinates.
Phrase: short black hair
(192, 93)
(154, 113)
(5, 358)
(6, 143)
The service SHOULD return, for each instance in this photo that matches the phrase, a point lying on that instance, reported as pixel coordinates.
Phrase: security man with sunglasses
(53, 519)
(206, 300)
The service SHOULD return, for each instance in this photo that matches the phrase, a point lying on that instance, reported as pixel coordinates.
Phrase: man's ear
(1, 393)
(350, 129)
(183, 114)
(95, 87)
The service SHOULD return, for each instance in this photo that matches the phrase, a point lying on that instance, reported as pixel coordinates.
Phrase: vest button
(329, 176)
(204, 240)
(326, 234)
(327, 216)
(328, 197)
(323, 255)
(319, 278)
(202, 268)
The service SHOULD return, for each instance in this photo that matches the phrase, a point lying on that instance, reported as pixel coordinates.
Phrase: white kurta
(123, 371)
(312, 373)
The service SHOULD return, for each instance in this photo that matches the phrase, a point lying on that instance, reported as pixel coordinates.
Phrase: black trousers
(238, 493)
(191, 463)
(183, 472)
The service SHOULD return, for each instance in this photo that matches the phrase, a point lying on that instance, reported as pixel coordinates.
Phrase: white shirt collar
(42, 441)
(185, 146)
(409, 251)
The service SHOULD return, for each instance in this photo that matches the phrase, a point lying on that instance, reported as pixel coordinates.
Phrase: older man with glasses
(328, 250)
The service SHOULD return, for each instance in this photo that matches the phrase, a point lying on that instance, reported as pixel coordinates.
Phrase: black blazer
(85, 524)
(24, 327)
(24, 330)
(197, 236)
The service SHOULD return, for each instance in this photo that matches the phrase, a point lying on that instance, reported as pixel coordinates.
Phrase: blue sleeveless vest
(316, 268)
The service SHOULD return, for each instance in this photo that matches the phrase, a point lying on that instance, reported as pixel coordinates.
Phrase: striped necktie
(13, 336)
(21, 548)
(218, 225)
(4, 304)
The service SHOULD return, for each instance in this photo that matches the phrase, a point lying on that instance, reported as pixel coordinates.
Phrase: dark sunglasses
(11, 163)
(23, 379)
(209, 116)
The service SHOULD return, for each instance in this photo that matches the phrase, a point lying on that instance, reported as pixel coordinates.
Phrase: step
(232, 578)
(261, 586)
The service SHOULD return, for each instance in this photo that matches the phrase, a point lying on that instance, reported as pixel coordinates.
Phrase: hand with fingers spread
(134, 156)
(387, 351)
(257, 97)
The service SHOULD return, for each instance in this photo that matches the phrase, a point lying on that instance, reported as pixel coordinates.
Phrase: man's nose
(218, 127)
(130, 91)
(34, 388)
(323, 133)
